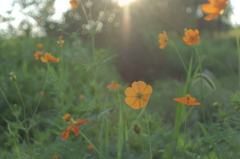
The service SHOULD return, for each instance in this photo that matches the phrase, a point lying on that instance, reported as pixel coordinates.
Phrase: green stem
(180, 56)
(24, 106)
(140, 138)
(200, 63)
(92, 145)
(120, 129)
(10, 107)
(149, 134)
(232, 135)
(44, 86)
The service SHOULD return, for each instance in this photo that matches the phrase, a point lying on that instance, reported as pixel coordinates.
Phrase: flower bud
(136, 129)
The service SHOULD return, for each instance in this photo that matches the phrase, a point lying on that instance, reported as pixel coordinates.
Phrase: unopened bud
(136, 129)
(12, 76)
(216, 105)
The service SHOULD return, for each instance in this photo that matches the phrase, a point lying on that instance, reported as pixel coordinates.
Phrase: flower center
(187, 98)
(139, 95)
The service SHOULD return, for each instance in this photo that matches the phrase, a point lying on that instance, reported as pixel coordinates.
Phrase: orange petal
(130, 92)
(130, 100)
(138, 86)
(147, 90)
(76, 130)
(80, 122)
(209, 8)
(138, 104)
(43, 59)
(65, 135)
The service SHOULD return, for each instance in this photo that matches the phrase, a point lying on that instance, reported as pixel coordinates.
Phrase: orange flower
(191, 37)
(55, 157)
(81, 97)
(74, 3)
(188, 100)
(138, 94)
(39, 45)
(72, 127)
(113, 85)
(163, 40)
(42, 93)
(60, 41)
(90, 147)
(49, 58)
(37, 54)
(214, 8)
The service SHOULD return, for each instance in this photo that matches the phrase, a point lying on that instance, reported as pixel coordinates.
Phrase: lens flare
(124, 2)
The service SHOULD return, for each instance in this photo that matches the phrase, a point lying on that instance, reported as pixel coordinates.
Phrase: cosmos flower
(37, 54)
(74, 3)
(163, 40)
(39, 45)
(188, 100)
(49, 58)
(73, 127)
(191, 37)
(214, 8)
(138, 94)
(113, 85)
(90, 147)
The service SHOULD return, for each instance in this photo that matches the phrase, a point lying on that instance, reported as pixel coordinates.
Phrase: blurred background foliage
(131, 32)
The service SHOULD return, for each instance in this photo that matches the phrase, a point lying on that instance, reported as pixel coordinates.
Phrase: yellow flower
(188, 100)
(163, 40)
(138, 94)
(49, 58)
(191, 37)
(214, 8)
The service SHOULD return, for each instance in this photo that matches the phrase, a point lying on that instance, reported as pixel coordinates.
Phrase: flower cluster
(47, 56)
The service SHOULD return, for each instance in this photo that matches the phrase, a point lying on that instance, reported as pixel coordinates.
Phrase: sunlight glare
(124, 2)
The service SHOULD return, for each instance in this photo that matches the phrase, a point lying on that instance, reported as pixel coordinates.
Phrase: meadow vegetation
(91, 91)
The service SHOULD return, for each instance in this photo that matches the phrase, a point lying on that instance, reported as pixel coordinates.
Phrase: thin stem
(140, 138)
(200, 63)
(44, 86)
(180, 56)
(84, 10)
(24, 106)
(10, 106)
(93, 42)
(120, 128)
(92, 145)
(149, 134)
(238, 47)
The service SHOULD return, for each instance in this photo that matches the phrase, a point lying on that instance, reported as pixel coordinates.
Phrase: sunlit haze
(124, 2)
(62, 6)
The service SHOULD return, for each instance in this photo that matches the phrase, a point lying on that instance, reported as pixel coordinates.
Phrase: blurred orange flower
(191, 37)
(49, 58)
(163, 40)
(138, 94)
(73, 127)
(60, 41)
(90, 147)
(74, 3)
(39, 45)
(81, 97)
(188, 100)
(42, 93)
(113, 85)
(55, 157)
(214, 8)
(37, 54)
